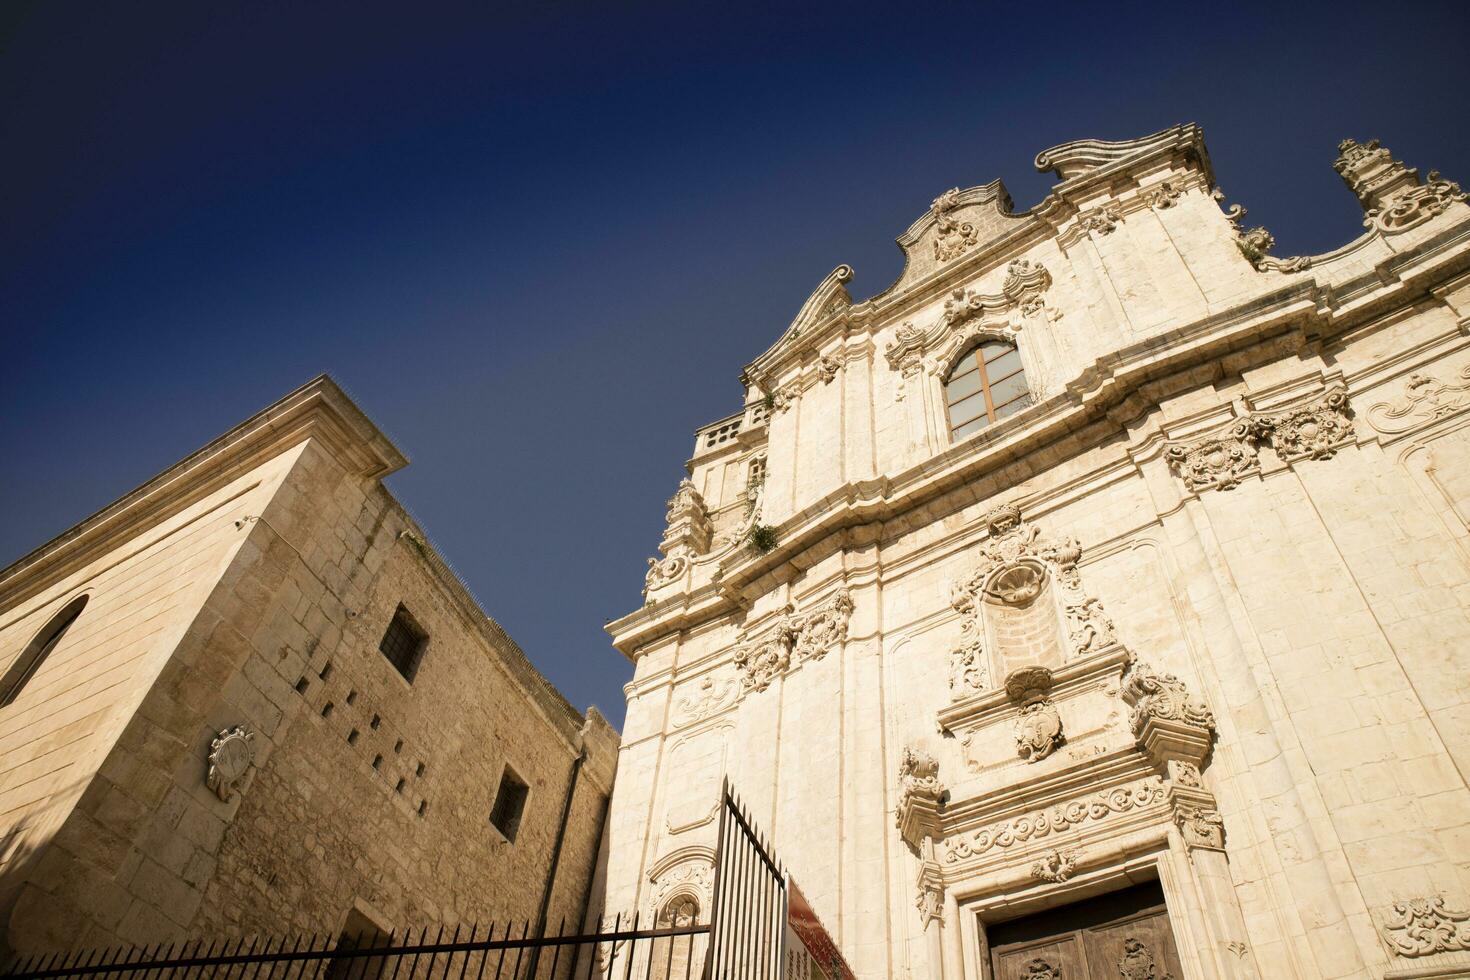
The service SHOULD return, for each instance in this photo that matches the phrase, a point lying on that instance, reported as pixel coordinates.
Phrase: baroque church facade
(1092, 602)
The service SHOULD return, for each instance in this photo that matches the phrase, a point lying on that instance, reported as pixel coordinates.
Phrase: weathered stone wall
(366, 791)
(1310, 589)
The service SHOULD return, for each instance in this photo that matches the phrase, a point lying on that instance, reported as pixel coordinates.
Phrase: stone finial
(1392, 196)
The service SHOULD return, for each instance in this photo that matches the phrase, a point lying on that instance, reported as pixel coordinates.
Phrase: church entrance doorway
(1122, 934)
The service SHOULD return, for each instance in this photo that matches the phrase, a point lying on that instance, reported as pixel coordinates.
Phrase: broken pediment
(957, 222)
(1082, 157)
(827, 300)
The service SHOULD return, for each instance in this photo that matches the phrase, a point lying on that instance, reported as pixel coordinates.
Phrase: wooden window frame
(986, 382)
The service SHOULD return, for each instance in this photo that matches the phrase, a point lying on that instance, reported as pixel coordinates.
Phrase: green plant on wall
(761, 539)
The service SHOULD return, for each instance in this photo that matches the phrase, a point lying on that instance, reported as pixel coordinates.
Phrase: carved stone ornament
(686, 535)
(930, 902)
(1392, 197)
(1012, 566)
(1054, 819)
(1216, 463)
(230, 756)
(1038, 731)
(1200, 827)
(951, 238)
(1315, 429)
(1156, 696)
(784, 397)
(1102, 220)
(1426, 399)
(808, 635)
(1022, 290)
(708, 699)
(827, 367)
(1040, 969)
(1425, 926)
(1138, 962)
(1055, 865)
(691, 878)
(920, 794)
(1185, 774)
(1164, 196)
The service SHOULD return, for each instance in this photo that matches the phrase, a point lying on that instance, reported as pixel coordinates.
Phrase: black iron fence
(744, 939)
(672, 953)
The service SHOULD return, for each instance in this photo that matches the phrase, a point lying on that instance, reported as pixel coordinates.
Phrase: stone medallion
(230, 756)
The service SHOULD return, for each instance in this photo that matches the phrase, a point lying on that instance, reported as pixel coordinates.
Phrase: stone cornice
(317, 410)
(1117, 387)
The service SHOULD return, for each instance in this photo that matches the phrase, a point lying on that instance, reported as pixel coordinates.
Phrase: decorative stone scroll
(1425, 926)
(686, 535)
(1315, 429)
(1055, 819)
(1169, 723)
(952, 238)
(920, 794)
(808, 635)
(784, 397)
(1014, 564)
(709, 699)
(827, 367)
(1426, 399)
(230, 756)
(1391, 194)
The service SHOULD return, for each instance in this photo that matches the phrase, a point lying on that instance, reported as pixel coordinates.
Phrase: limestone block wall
(1247, 473)
(143, 594)
(365, 792)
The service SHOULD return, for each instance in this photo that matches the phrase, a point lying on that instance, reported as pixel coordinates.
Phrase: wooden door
(1123, 934)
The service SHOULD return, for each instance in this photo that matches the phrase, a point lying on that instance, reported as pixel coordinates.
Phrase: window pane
(1012, 408)
(965, 365)
(1004, 391)
(963, 387)
(963, 411)
(994, 348)
(1007, 363)
(970, 428)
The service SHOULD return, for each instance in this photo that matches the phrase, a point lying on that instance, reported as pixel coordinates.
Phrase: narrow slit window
(985, 386)
(403, 644)
(510, 803)
(25, 666)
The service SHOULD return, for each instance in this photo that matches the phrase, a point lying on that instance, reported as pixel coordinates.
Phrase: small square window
(403, 643)
(510, 803)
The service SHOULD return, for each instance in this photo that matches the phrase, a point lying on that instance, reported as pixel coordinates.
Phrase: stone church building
(1094, 601)
(249, 699)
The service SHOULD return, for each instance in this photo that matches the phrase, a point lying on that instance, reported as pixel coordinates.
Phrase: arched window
(985, 386)
(24, 667)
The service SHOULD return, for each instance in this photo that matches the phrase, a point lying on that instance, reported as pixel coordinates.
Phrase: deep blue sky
(538, 246)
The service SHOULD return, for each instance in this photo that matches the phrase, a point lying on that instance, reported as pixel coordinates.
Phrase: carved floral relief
(1055, 865)
(1138, 962)
(1315, 429)
(1425, 926)
(807, 635)
(1426, 399)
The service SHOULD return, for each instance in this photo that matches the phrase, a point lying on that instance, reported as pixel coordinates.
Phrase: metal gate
(748, 916)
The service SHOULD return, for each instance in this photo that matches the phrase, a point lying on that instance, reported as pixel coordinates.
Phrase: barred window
(403, 644)
(25, 666)
(985, 386)
(510, 803)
